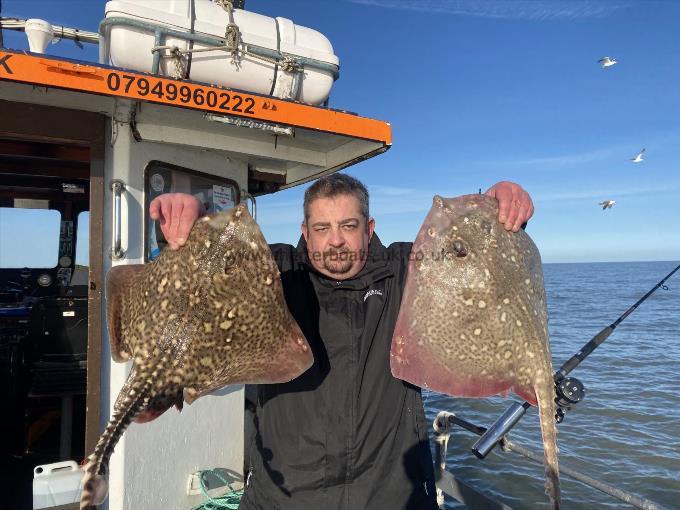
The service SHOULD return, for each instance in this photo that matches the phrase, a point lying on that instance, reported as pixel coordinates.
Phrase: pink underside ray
(413, 362)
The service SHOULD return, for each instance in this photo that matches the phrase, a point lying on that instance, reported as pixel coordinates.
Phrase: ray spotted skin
(209, 314)
(473, 319)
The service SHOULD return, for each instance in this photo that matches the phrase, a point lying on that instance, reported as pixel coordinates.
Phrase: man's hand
(177, 213)
(514, 204)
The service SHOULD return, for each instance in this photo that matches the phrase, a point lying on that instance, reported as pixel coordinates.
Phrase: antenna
(39, 33)
(2, 43)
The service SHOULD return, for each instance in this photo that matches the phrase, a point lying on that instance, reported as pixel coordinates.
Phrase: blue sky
(480, 91)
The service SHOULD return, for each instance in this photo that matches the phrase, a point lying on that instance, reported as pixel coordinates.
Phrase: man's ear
(370, 226)
(305, 232)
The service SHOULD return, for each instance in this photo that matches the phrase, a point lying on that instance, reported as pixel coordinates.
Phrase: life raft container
(271, 56)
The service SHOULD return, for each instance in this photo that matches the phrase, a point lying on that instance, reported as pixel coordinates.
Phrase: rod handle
(491, 437)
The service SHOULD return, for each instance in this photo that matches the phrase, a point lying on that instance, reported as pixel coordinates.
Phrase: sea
(626, 431)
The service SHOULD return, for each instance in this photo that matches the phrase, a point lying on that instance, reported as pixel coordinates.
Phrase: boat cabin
(84, 148)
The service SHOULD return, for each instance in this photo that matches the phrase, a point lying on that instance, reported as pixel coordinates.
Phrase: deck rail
(461, 491)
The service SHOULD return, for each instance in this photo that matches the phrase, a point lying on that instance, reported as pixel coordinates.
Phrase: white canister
(56, 484)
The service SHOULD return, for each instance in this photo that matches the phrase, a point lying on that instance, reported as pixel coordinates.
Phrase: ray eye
(229, 262)
(459, 249)
(486, 226)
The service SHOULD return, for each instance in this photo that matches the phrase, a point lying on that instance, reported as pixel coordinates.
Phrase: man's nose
(336, 239)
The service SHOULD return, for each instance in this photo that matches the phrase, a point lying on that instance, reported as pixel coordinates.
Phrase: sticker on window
(157, 182)
(222, 198)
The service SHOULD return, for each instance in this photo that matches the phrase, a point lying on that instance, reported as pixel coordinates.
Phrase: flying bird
(607, 204)
(638, 157)
(607, 62)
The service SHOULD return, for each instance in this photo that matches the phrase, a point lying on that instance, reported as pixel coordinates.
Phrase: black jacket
(345, 435)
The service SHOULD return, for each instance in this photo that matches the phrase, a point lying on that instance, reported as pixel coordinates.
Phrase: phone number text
(183, 94)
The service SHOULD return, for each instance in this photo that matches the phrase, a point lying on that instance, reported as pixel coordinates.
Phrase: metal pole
(2, 43)
(442, 432)
(443, 429)
(615, 492)
(155, 67)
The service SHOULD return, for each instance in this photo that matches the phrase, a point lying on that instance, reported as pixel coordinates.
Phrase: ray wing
(118, 282)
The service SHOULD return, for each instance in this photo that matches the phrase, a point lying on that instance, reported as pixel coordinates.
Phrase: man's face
(337, 236)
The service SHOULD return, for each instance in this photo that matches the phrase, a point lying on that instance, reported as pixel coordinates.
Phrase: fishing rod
(569, 390)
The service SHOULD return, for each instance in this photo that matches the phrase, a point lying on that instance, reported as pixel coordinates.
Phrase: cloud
(391, 200)
(505, 9)
(383, 200)
(390, 190)
(659, 144)
(599, 195)
(287, 212)
(566, 159)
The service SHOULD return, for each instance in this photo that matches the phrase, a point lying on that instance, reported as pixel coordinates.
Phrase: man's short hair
(337, 184)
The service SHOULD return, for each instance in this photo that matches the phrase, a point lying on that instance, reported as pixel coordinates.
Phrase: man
(345, 435)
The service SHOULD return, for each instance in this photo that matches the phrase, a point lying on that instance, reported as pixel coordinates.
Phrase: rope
(180, 61)
(232, 44)
(232, 34)
(288, 64)
(229, 501)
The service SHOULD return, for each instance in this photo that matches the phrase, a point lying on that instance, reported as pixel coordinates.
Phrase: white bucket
(56, 484)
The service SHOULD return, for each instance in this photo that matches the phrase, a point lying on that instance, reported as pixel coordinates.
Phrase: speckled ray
(207, 315)
(473, 318)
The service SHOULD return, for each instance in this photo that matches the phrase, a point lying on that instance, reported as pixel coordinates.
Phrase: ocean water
(626, 431)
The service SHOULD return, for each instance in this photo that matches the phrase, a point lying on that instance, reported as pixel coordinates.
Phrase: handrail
(161, 32)
(58, 31)
(442, 426)
(117, 252)
(615, 492)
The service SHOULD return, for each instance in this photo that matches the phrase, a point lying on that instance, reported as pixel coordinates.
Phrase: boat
(84, 148)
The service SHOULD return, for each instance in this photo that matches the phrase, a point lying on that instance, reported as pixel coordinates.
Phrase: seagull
(607, 204)
(607, 62)
(638, 157)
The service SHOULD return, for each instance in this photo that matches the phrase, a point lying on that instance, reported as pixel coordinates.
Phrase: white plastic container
(56, 484)
(39, 33)
(130, 47)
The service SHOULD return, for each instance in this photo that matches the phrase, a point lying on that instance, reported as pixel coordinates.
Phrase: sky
(479, 91)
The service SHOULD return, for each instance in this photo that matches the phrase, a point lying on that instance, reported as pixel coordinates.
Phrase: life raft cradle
(290, 63)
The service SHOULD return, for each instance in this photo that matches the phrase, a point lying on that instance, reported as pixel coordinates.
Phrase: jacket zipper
(350, 439)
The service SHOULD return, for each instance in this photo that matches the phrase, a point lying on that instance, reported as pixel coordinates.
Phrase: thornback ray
(199, 318)
(473, 318)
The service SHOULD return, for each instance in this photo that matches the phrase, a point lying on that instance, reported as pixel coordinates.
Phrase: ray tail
(95, 485)
(546, 411)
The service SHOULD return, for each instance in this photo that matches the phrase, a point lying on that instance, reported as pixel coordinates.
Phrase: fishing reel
(569, 391)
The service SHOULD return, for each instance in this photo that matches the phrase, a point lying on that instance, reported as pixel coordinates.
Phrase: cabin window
(80, 273)
(216, 193)
(29, 237)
